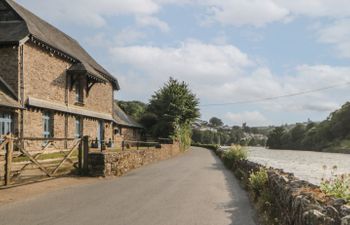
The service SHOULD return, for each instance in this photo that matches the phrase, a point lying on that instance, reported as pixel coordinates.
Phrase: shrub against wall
(234, 154)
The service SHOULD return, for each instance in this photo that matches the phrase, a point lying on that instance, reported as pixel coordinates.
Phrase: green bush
(235, 153)
(258, 181)
(338, 186)
(183, 134)
(208, 146)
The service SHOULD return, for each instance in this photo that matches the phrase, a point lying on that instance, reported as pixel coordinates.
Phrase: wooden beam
(8, 166)
(35, 162)
(66, 157)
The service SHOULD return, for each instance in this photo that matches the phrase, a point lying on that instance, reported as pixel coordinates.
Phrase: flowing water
(310, 166)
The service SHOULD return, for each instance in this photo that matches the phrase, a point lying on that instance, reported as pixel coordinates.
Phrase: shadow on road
(240, 208)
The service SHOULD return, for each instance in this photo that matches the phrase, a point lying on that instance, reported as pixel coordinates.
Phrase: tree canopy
(174, 107)
(135, 109)
(215, 122)
(330, 133)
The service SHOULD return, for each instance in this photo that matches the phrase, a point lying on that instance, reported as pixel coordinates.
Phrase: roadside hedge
(208, 146)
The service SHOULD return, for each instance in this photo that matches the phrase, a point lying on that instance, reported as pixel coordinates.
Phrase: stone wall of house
(299, 202)
(33, 120)
(45, 78)
(9, 66)
(44, 74)
(43, 69)
(131, 134)
(118, 163)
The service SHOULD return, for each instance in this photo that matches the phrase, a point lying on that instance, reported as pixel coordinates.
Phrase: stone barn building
(50, 86)
(126, 128)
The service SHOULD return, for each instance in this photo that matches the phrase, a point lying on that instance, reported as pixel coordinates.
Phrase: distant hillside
(332, 134)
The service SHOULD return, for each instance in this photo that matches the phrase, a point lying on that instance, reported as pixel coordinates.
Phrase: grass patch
(337, 186)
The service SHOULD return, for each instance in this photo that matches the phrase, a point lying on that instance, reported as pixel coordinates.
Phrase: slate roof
(16, 27)
(7, 97)
(121, 118)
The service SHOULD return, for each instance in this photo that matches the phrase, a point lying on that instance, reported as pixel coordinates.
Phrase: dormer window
(79, 95)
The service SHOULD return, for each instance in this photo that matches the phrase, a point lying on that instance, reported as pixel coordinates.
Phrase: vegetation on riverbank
(337, 186)
(331, 135)
(235, 153)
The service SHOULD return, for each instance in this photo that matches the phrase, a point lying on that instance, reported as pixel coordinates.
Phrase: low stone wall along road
(191, 189)
(305, 165)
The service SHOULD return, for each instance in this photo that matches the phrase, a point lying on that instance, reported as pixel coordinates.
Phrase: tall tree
(175, 107)
(216, 122)
(274, 140)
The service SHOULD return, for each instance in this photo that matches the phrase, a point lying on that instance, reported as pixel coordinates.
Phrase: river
(306, 165)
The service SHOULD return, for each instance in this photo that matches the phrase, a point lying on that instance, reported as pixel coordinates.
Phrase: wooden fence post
(8, 166)
(85, 154)
(80, 156)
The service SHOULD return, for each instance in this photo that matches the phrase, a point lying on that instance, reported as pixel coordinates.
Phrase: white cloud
(91, 12)
(128, 36)
(321, 106)
(153, 22)
(338, 34)
(317, 8)
(190, 60)
(220, 74)
(255, 118)
(243, 12)
(261, 12)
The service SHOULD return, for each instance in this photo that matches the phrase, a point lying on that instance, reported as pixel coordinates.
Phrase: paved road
(192, 189)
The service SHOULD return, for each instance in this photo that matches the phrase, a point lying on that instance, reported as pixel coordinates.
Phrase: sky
(226, 50)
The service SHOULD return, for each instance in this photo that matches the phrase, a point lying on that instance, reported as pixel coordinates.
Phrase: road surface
(191, 189)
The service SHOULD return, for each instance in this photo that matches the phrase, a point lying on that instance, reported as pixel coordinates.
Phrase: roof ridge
(37, 17)
(54, 37)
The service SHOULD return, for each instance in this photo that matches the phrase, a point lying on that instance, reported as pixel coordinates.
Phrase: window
(5, 123)
(78, 92)
(78, 127)
(48, 125)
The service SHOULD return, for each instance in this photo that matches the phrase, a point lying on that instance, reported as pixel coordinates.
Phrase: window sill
(79, 103)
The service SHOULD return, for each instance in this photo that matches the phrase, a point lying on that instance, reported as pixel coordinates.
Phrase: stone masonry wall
(118, 163)
(131, 134)
(45, 78)
(44, 74)
(9, 66)
(300, 202)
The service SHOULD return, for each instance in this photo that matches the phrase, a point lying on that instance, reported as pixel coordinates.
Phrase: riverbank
(283, 199)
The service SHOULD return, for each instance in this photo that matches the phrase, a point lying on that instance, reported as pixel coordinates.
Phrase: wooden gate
(35, 159)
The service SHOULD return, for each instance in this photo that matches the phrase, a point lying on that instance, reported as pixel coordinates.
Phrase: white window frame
(47, 125)
(5, 123)
(78, 127)
(79, 95)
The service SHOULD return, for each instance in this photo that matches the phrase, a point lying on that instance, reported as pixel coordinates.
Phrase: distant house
(50, 86)
(125, 128)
